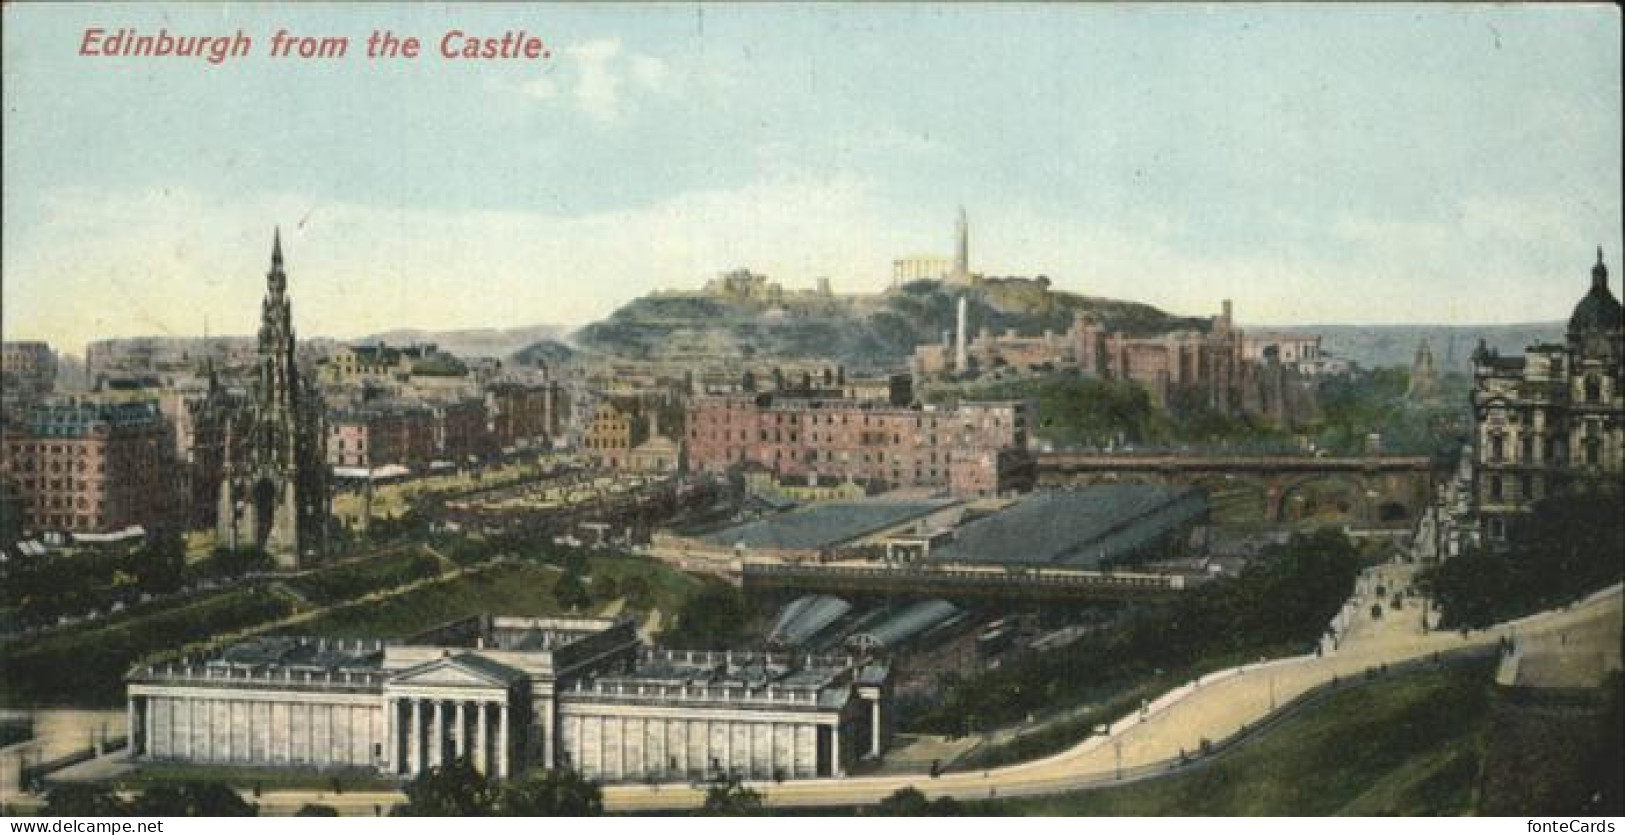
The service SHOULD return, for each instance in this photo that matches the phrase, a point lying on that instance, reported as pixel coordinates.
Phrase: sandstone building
(92, 467)
(509, 694)
(27, 369)
(972, 449)
(1553, 418)
(1212, 368)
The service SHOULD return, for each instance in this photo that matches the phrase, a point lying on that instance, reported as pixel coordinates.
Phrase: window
(1593, 389)
(1495, 488)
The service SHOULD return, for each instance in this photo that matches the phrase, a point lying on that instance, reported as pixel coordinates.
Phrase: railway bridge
(1372, 490)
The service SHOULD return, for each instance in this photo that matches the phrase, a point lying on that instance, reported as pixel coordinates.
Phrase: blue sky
(1345, 164)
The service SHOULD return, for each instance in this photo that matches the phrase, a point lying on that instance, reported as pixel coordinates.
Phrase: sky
(1348, 164)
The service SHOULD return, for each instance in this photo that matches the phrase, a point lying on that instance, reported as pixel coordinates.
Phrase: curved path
(1218, 707)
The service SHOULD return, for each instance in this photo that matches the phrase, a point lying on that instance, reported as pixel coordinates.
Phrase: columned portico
(438, 729)
(452, 701)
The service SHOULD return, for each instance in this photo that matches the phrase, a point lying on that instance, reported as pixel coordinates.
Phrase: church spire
(276, 280)
(1599, 273)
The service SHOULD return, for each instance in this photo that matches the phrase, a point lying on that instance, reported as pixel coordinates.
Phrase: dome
(1599, 310)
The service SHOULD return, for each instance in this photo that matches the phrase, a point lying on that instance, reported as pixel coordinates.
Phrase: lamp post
(1117, 744)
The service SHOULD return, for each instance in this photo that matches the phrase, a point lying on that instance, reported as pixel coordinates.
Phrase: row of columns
(239, 730)
(434, 724)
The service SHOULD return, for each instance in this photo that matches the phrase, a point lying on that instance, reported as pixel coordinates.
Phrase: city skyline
(1454, 165)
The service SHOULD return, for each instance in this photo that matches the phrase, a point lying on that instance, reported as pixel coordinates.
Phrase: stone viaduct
(1378, 490)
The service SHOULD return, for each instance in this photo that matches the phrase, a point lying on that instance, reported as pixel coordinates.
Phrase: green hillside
(860, 331)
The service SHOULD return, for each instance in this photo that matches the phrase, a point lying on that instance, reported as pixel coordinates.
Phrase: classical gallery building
(510, 694)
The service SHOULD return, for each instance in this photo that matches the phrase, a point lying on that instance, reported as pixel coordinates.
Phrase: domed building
(1553, 418)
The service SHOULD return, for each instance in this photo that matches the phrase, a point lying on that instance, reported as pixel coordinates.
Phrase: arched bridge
(1376, 490)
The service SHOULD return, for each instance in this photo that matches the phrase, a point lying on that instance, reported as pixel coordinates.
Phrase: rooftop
(824, 525)
(1074, 527)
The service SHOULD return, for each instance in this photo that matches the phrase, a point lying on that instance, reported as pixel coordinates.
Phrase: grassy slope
(85, 665)
(1410, 745)
(513, 589)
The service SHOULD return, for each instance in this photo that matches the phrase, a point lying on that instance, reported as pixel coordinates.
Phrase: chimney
(959, 349)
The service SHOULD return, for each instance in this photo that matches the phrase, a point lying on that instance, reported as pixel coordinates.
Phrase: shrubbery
(1571, 544)
(1283, 600)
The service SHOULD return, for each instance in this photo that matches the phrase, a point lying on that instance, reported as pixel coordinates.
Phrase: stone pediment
(461, 671)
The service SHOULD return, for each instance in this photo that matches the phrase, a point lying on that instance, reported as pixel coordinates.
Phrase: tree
(731, 798)
(559, 793)
(909, 802)
(714, 616)
(83, 800)
(637, 593)
(453, 790)
(570, 593)
(605, 588)
(160, 565)
(194, 799)
(1571, 543)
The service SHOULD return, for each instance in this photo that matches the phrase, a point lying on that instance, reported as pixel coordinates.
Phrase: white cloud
(542, 88)
(650, 72)
(598, 83)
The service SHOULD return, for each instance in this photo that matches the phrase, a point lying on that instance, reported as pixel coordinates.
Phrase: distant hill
(474, 342)
(867, 331)
(550, 352)
(1376, 346)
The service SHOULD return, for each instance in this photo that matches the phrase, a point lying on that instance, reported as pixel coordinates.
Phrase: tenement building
(975, 448)
(1553, 418)
(27, 369)
(509, 694)
(92, 467)
(274, 491)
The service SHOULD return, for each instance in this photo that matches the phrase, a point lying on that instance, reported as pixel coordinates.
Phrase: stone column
(227, 729)
(482, 739)
(208, 730)
(874, 732)
(460, 732)
(502, 741)
(835, 769)
(133, 732)
(414, 754)
(552, 723)
(437, 742)
(147, 724)
(392, 741)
